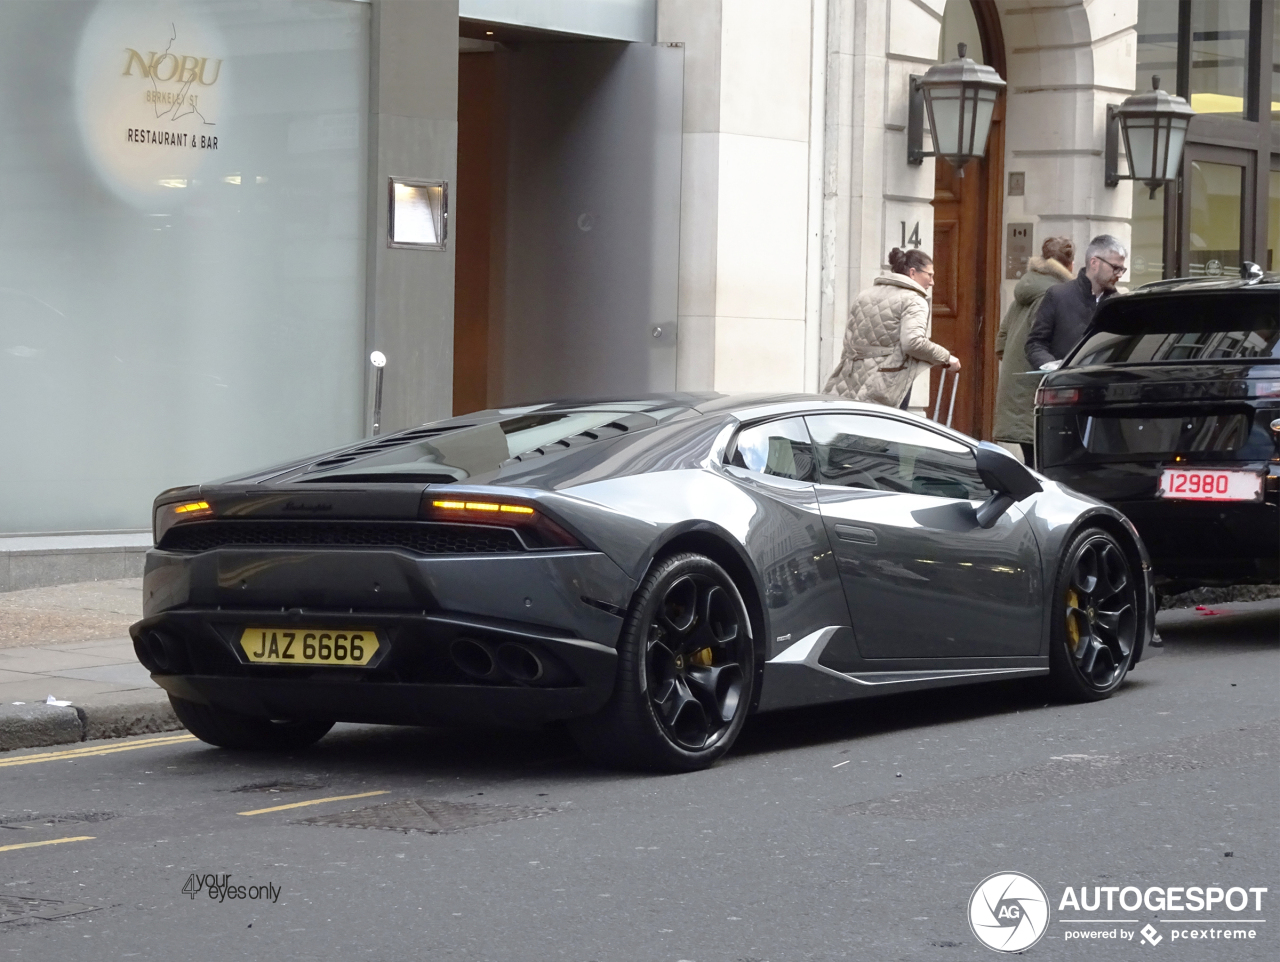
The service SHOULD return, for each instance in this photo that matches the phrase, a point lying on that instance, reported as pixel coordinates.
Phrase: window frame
(1254, 134)
(731, 448)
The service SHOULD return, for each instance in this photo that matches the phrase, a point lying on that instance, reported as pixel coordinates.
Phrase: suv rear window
(1198, 328)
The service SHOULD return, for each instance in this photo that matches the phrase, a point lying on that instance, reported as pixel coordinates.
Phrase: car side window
(779, 448)
(885, 454)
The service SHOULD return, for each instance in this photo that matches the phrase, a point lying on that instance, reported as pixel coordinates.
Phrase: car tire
(1095, 625)
(228, 729)
(686, 667)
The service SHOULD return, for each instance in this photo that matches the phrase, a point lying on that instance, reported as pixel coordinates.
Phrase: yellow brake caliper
(1073, 630)
(701, 657)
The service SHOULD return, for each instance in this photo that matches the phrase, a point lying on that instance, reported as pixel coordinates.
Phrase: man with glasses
(1066, 309)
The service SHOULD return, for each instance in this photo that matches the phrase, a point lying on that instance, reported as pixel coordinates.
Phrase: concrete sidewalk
(71, 642)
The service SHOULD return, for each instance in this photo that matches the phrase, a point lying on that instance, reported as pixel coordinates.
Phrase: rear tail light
(1047, 396)
(167, 515)
(536, 529)
(484, 510)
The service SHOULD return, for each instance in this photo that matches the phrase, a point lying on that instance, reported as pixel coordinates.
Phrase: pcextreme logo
(1009, 912)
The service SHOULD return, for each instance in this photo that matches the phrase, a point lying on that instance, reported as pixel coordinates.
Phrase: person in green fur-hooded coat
(1015, 397)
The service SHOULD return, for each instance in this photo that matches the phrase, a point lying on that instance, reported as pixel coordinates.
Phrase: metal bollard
(379, 361)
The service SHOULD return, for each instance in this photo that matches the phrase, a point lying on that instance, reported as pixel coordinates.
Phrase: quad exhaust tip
(485, 662)
(156, 654)
(519, 662)
(475, 658)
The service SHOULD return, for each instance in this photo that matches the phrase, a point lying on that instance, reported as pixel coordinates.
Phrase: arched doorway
(966, 236)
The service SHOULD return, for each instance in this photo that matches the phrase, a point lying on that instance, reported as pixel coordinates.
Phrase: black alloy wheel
(686, 666)
(1095, 629)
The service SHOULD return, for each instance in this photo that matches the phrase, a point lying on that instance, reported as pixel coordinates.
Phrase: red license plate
(1203, 484)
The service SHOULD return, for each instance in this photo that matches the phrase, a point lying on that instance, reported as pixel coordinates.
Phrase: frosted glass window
(182, 211)
(1275, 70)
(1146, 256)
(1273, 219)
(1216, 192)
(1219, 56)
(1157, 44)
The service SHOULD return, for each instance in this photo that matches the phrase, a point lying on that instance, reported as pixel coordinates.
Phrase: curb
(42, 561)
(38, 725)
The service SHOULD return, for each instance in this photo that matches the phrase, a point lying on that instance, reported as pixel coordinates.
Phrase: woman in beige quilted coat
(886, 343)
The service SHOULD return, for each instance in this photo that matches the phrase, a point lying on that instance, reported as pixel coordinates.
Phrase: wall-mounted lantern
(1154, 127)
(959, 97)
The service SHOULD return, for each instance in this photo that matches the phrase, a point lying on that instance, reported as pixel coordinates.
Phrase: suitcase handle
(951, 407)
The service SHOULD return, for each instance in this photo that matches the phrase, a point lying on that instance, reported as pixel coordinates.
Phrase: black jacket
(1065, 312)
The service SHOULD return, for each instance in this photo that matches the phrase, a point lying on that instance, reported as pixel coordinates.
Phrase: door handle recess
(848, 532)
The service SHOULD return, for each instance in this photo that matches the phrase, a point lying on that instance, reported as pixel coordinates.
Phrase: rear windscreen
(466, 450)
(1222, 327)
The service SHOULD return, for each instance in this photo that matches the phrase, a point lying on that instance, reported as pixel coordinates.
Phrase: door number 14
(914, 239)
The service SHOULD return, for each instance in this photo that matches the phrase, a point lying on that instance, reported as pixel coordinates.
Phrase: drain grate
(14, 908)
(429, 815)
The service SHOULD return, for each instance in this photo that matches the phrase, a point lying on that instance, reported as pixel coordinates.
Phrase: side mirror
(1008, 480)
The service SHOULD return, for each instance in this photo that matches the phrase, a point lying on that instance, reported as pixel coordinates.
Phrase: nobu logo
(170, 66)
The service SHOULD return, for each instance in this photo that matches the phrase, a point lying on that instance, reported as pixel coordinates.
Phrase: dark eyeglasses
(1118, 270)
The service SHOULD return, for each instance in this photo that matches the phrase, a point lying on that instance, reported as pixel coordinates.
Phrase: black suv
(1169, 409)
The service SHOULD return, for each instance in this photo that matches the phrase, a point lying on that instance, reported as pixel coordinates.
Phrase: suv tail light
(1266, 388)
(1047, 396)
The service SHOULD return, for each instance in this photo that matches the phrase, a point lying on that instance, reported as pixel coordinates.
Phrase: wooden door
(967, 218)
(966, 294)
(471, 225)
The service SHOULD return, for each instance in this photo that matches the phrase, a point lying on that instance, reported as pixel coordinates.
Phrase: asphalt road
(851, 832)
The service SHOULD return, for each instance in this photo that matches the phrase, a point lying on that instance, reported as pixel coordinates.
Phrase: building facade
(197, 206)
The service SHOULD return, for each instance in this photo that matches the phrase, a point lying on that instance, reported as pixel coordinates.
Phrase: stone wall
(767, 272)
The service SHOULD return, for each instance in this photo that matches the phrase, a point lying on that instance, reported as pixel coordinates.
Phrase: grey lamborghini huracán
(648, 570)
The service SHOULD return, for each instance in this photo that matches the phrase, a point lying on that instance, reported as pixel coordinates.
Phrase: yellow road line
(314, 801)
(51, 841)
(87, 751)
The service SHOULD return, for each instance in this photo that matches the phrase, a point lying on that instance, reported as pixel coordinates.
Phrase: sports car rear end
(378, 584)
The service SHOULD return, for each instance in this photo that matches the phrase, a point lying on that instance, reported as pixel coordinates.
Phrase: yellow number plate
(309, 646)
